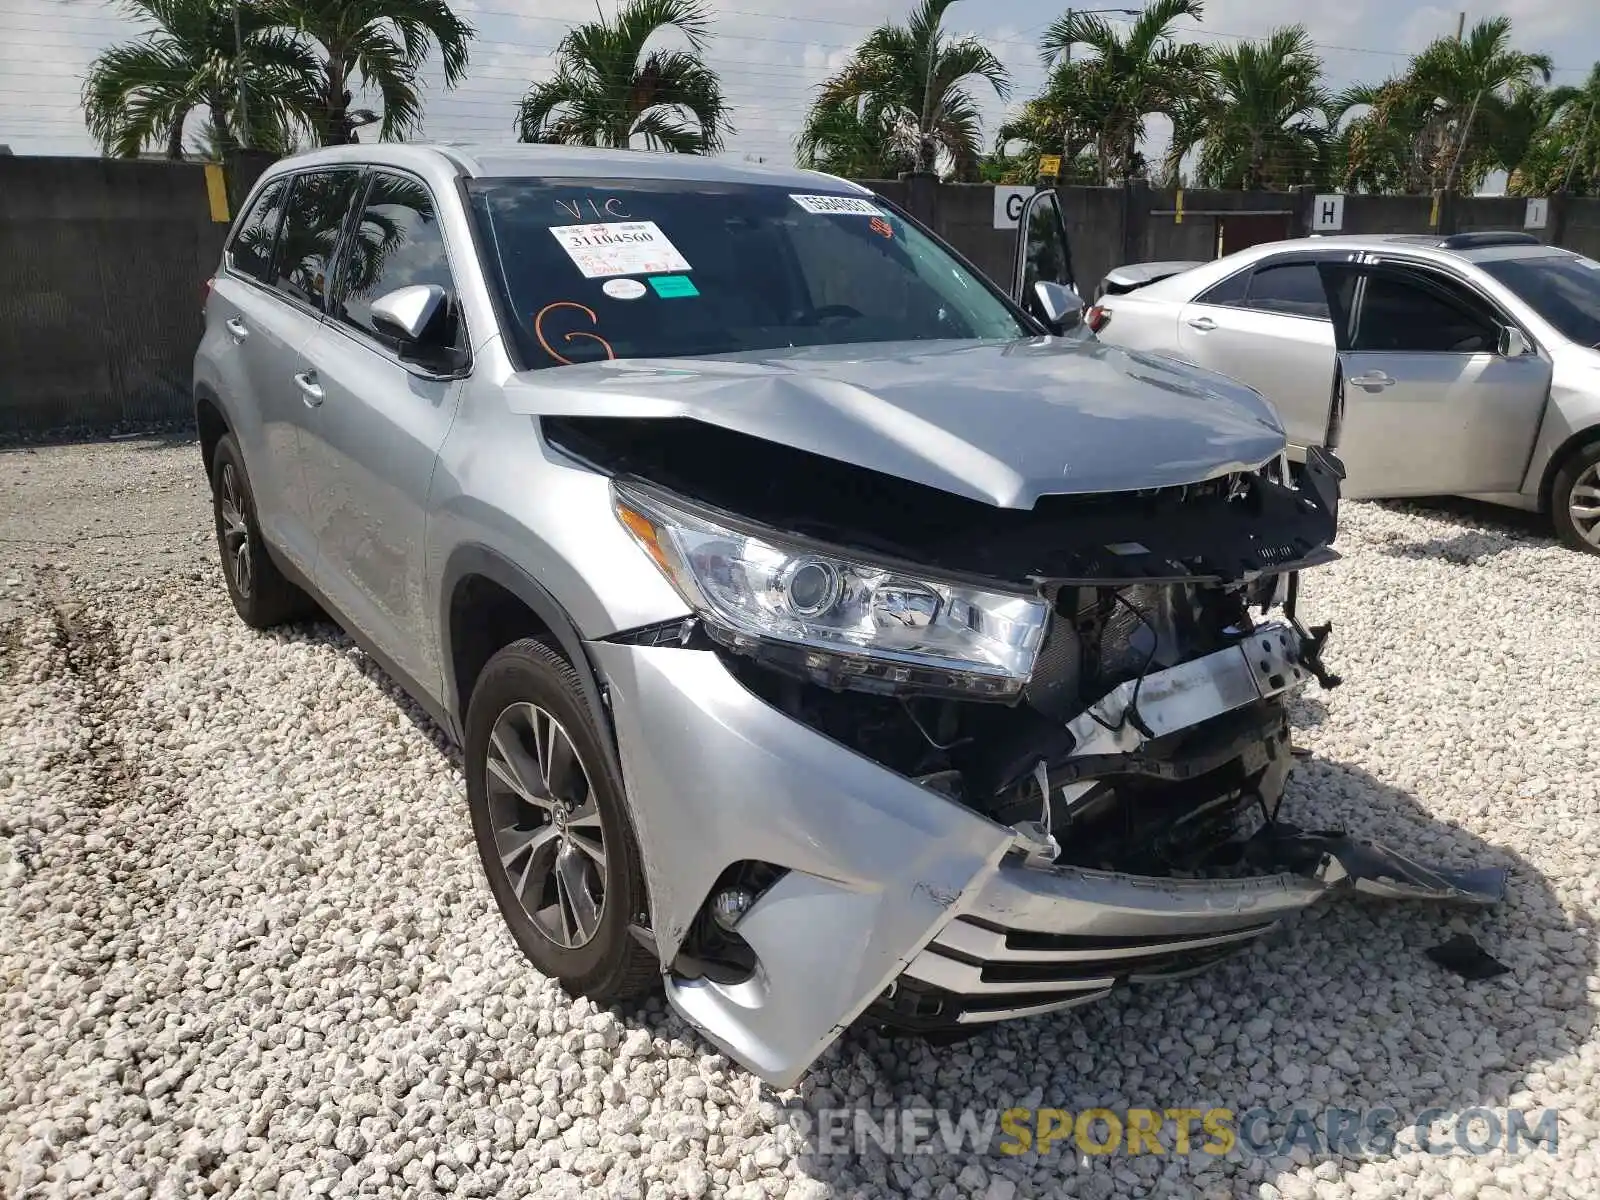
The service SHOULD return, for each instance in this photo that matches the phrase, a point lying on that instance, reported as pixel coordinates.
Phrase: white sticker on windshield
(623, 289)
(619, 248)
(836, 206)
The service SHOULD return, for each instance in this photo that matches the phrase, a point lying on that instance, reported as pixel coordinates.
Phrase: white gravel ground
(246, 949)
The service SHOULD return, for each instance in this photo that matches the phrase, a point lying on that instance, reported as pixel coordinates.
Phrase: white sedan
(1463, 365)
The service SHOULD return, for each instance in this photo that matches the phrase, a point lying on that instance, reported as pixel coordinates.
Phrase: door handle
(236, 329)
(1203, 324)
(306, 381)
(1373, 381)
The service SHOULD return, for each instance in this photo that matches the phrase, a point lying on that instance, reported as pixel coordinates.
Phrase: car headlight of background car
(846, 621)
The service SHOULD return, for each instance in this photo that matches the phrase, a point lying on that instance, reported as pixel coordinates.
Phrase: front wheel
(1575, 500)
(551, 825)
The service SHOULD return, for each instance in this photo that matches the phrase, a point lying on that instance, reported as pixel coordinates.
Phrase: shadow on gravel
(138, 436)
(1483, 530)
(1339, 1010)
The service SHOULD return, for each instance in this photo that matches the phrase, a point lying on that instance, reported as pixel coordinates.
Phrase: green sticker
(668, 286)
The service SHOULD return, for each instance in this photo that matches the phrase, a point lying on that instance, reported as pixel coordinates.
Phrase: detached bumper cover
(901, 900)
(1035, 940)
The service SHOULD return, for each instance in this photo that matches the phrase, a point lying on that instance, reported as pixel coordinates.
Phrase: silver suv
(830, 635)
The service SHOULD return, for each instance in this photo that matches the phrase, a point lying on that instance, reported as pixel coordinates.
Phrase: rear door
(1268, 327)
(276, 275)
(1423, 401)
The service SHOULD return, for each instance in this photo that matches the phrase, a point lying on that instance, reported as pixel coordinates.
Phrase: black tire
(1584, 461)
(612, 965)
(261, 595)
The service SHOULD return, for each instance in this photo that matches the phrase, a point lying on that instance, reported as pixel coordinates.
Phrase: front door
(372, 443)
(1425, 403)
(1043, 254)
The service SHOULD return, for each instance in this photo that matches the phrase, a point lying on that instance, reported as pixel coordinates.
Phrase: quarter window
(250, 251)
(396, 243)
(1229, 292)
(319, 205)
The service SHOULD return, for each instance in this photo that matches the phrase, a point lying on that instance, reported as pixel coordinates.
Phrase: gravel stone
(248, 950)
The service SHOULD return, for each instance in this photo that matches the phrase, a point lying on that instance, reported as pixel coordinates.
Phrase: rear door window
(250, 250)
(1292, 289)
(319, 207)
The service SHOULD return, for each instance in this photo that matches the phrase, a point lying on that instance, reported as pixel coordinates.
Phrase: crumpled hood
(1004, 423)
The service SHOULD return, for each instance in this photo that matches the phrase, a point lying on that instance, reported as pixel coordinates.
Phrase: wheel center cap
(558, 818)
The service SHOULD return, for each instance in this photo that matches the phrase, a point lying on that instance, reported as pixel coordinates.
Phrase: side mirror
(406, 313)
(1512, 343)
(1060, 305)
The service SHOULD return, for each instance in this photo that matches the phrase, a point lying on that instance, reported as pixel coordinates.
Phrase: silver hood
(1003, 423)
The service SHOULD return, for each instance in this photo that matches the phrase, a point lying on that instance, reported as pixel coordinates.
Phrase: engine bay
(1138, 584)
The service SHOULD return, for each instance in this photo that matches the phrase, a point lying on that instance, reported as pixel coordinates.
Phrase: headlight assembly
(842, 621)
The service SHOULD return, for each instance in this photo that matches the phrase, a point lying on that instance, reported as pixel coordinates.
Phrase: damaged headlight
(845, 620)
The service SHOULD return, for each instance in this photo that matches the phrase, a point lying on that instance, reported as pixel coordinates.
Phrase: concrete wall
(102, 269)
(103, 262)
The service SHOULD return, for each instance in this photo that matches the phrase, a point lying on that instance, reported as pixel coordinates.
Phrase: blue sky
(770, 58)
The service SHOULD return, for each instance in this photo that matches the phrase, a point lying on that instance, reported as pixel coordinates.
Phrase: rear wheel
(261, 595)
(551, 825)
(1575, 499)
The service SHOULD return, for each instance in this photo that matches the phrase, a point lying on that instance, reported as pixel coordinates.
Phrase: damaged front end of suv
(925, 760)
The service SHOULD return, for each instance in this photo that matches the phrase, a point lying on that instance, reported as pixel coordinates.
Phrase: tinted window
(395, 244)
(1408, 314)
(1046, 253)
(318, 206)
(671, 268)
(250, 251)
(1229, 291)
(1564, 291)
(1294, 289)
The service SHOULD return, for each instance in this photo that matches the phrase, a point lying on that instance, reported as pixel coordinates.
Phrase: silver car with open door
(1466, 365)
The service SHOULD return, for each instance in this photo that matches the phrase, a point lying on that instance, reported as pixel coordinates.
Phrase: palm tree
(1563, 152)
(913, 80)
(1135, 72)
(143, 93)
(378, 44)
(857, 140)
(1431, 127)
(1265, 126)
(607, 90)
(1066, 118)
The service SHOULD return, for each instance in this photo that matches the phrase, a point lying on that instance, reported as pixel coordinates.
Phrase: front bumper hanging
(901, 904)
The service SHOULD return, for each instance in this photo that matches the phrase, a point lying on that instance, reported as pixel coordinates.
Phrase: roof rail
(1474, 241)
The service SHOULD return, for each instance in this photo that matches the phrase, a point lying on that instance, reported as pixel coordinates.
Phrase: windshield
(611, 268)
(1564, 290)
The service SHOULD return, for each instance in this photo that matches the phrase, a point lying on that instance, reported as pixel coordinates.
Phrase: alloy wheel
(235, 528)
(1583, 504)
(546, 823)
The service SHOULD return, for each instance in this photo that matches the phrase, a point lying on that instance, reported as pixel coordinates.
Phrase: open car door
(1044, 257)
(1435, 391)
